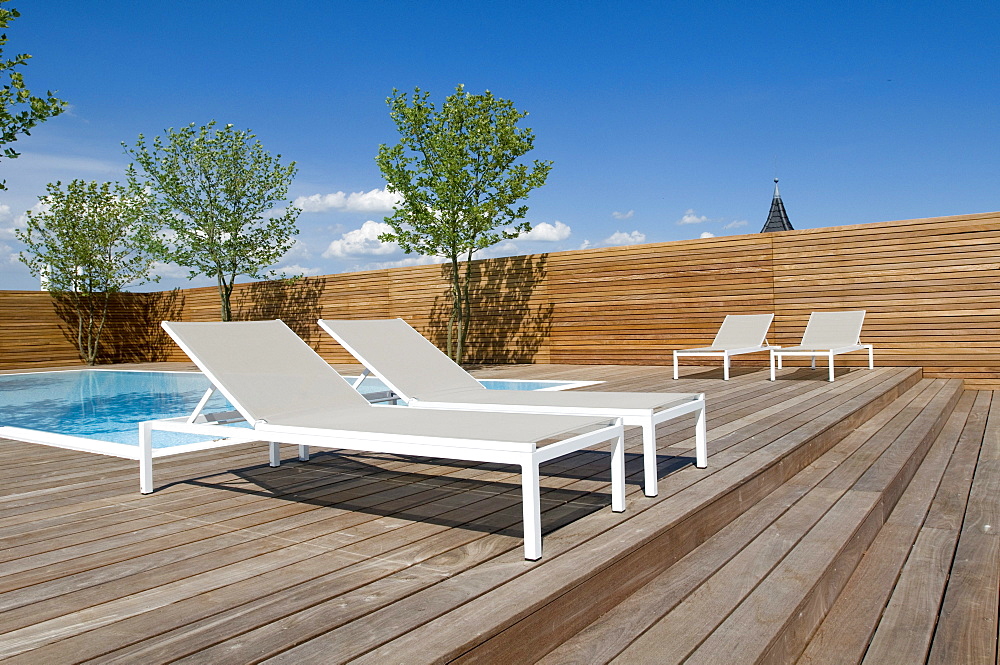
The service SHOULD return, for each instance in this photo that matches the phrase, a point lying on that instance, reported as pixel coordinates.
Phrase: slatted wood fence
(930, 287)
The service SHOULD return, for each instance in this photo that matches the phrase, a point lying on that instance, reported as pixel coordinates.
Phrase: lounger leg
(676, 372)
(273, 454)
(813, 365)
(725, 367)
(304, 453)
(701, 440)
(145, 458)
(772, 365)
(831, 367)
(532, 511)
(618, 474)
(871, 357)
(650, 480)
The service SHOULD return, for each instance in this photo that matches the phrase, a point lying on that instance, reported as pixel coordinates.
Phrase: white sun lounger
(738, 334)
(289, 394)
(828, 334)
(424, 377)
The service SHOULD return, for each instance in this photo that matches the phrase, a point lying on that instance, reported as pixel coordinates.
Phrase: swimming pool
(99, 410)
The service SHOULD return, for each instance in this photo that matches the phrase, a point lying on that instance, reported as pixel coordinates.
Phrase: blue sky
(665, 121)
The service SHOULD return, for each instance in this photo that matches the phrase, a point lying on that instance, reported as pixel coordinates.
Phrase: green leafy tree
(219, 185)
(87, 243)
(456, 170)
(19, 109)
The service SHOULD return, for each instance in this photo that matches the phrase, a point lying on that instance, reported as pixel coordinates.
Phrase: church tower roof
(777, 218)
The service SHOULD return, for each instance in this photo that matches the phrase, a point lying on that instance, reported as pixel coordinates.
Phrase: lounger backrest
(403, 358)
(263, 368)
(742, 331)
(832, 330)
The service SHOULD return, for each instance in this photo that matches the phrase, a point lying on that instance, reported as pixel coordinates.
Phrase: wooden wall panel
(634, 305)
(930, 287)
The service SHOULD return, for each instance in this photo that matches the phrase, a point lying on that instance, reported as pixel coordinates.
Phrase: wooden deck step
(755, 591)
(907, 565)
(525, 612)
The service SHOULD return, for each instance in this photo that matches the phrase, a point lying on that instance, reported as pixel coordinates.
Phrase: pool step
(756, 590)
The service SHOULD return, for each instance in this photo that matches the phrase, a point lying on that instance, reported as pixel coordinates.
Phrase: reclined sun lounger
(423, 376)
(289, 394)
(739, 333)
(827, 334)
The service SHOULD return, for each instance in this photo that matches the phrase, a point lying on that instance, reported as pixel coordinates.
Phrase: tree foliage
(220, 185)
(19, 109)
(457, 172)
(88, 242)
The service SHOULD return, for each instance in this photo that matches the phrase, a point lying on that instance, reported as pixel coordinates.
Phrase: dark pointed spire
(777, 218)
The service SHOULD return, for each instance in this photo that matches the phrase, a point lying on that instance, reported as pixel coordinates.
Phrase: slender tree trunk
(454, 319)
(225, 290)
(466, 308)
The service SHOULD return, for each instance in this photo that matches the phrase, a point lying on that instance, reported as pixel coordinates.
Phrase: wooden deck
(837, 523)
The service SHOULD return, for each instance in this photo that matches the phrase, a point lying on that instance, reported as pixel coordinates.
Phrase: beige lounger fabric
(830, 330)
(742, 331)
(416, 370)
(738, 334)
(827, 334)
(291, 385)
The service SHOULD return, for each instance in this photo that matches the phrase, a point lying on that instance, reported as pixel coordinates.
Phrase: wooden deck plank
(907, 624)
(185, 613)
(793, 599)
(416, 561)
(846, 631)
(674, 638)
(601, 547)
(612, 633)
(967, 626)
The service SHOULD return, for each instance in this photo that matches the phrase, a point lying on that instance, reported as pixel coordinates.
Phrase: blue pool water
(108, 405)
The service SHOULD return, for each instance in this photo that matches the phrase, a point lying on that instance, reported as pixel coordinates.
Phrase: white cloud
(296, 269)
(78, 165)
(622, 238)
(9, 222)
(170, 270)
(298, 250)
(585, 245)
(707, 234)
(376, 200)
(736, 224)
(362, 242)
(409, 261)
(546, 232)
(691, 218)
(7, 254)
(623, 215)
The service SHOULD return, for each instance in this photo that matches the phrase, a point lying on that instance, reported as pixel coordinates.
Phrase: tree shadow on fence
(511, 318)
(132, 332)
(297, 303)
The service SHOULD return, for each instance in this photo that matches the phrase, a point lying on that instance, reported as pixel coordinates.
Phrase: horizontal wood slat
(930, 287)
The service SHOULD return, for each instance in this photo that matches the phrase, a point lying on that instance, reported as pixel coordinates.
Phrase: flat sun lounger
(288, 394)
(424, 377)
(827, 334)
(738, 334)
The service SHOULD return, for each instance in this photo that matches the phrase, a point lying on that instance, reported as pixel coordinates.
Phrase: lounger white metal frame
(827, 334)
(562, 431)
(738, 334)
(363, 339)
